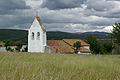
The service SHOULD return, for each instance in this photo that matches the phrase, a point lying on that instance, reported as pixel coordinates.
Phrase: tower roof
(40, 22)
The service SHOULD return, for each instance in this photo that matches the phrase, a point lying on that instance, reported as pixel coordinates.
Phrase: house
(66, 46)
(37, 41)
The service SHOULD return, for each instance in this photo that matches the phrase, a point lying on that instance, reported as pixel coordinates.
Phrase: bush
(95, 46)
(77, 46)
(10, 49)
(19, 45)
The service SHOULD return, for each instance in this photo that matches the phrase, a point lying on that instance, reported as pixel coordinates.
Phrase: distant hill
(95, 33)
(57, 35)
(11, 34)
(15, 35)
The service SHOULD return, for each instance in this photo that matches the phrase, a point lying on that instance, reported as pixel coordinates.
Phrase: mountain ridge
(15, 34)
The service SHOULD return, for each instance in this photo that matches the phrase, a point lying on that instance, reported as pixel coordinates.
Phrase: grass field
(26, 66)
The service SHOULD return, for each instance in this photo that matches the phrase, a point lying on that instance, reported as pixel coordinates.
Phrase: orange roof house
(66, 46)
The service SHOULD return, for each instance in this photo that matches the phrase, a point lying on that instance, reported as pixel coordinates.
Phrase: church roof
(40, 22)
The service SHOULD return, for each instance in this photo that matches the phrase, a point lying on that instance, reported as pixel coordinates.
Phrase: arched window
(32, 36)
(38, 35)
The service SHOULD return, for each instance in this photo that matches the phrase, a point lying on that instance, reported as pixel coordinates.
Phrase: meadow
(34, 66)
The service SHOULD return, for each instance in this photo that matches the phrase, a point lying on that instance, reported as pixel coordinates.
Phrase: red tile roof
(59, 45)
(72, 41)
(66, 45)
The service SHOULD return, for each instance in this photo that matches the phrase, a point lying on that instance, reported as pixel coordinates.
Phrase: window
(38, 35)
(32, 36)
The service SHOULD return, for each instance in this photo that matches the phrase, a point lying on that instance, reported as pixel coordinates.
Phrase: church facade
(37, 36)
(37, 41)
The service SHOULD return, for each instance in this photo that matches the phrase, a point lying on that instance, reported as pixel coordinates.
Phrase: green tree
(107, 47)
(19, 45)
(10, 49)
(57, 50)
(95, 46)
(7, 43)
(77, 46)
(116, 33)
(116, 37)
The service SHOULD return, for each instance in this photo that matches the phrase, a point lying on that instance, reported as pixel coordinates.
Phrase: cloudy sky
(60, 15)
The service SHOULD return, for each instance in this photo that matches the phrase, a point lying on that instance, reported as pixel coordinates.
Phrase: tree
(95, 46)
(116, 37)
(116, 33)
(107, 47)
(7, 43)
(10, 49)
(19, 45)
(57, 50)
(77, 46)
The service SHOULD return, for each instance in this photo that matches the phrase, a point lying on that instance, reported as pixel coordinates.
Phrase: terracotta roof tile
(60, 45)
(72, 41)
(66, 45)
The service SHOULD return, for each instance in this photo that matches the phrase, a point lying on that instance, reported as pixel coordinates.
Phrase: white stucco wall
(84, 53)
(87, 47)
(3, 49)
(36, 45)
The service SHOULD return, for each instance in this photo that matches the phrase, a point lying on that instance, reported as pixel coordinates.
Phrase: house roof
(60, 46)
(40, 22)
(72, 41)
(66, 45)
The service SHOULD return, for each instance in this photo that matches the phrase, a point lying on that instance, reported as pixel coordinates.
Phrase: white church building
(37, 41)
(37, 36)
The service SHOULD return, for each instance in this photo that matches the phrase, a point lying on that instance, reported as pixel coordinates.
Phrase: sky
(61, 15)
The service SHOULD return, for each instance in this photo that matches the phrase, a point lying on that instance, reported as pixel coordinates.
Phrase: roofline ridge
(40, 22)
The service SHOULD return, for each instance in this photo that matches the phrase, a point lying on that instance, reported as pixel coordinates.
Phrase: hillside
(15, 35)
(57, 35)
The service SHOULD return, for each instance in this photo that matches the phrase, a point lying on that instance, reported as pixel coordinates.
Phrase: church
(37, 41)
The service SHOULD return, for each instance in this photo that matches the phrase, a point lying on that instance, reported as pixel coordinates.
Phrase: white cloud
(34, 4)
(108, 29)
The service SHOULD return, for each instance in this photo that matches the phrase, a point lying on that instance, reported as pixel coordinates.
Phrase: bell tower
(37, 36)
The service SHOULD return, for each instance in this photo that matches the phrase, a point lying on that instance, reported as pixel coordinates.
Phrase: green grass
(26, 66)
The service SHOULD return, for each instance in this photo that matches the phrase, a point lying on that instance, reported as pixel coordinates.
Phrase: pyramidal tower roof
(40, 22)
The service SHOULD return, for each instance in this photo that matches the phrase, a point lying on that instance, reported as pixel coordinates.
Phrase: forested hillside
(15, 35)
